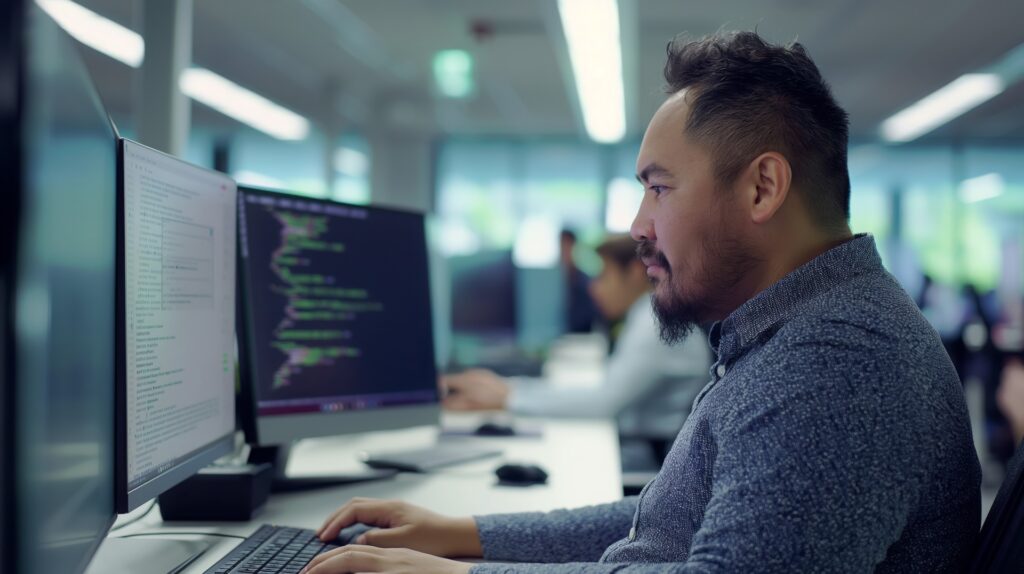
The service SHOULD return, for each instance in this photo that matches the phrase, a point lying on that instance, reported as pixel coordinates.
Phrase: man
(648, 385)
(579, 307)
(833, 435)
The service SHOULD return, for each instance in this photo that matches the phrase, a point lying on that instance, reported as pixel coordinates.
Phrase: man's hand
(475, 390)
(1010, 397)
(393, 561)
(403, 525)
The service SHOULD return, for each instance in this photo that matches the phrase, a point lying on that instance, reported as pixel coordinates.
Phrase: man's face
(690, 230)
(614, 290)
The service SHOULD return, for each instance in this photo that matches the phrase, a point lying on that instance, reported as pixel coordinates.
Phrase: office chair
(1001, 543)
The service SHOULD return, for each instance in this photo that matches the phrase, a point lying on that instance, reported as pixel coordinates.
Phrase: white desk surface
(581, 457)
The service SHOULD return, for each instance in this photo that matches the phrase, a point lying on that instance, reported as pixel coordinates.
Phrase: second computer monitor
(336, 332)
(176, 324)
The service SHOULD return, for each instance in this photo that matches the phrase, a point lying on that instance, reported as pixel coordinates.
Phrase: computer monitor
(176, 321)
(335, 324)
(57, 243)
(484, 295)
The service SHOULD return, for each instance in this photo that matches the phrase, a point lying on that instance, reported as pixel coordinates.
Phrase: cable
(152, 505)
(170, 533)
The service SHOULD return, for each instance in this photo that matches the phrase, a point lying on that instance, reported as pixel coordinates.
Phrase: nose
(642, 228)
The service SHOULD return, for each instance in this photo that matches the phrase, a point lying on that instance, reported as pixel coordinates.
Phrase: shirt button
(632, 534)
(721, 370)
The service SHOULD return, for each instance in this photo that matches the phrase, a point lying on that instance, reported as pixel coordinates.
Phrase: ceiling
(367, 62)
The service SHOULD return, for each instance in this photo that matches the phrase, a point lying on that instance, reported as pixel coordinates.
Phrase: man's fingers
(386, 537)
(372, 512)
(456, 384)
(457, 403)
(334, 515)
(344, 560)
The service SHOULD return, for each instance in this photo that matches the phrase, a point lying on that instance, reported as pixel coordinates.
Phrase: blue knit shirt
(832, 437)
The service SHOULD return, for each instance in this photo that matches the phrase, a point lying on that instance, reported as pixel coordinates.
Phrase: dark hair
(619, 249)
(748, 97)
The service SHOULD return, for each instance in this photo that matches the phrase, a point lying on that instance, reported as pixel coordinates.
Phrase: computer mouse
(521, 474)
(494, 429)
(349, 534)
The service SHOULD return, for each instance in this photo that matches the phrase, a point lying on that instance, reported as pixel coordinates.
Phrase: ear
(769, 177)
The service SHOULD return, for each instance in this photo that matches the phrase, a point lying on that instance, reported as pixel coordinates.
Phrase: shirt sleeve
(795, 487)
(639, 365)
(580, 568)
(580, 534)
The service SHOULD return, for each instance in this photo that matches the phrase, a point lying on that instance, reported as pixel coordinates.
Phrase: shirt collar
(761, 314)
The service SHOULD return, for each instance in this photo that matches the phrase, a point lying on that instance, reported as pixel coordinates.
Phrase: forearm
(580, 534)
(586, 568)
(548, 400)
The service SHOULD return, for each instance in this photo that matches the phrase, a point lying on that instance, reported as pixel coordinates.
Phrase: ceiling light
(99, 33)
(595, 50)
(536, 245)
(351, 162)
(624, 198)
(958, 97)
(453, 73)
(982, 187)
(257, 179)
(242, 104)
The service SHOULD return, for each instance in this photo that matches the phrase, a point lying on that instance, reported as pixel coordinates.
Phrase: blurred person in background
(649, 385)
(579, 307)
(1011, 397)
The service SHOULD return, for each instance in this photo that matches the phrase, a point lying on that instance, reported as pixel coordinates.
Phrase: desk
(581, 457)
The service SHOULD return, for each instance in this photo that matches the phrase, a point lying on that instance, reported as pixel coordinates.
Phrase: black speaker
(219, 493)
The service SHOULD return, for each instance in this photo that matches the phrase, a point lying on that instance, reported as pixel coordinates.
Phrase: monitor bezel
(127, 499)
(285, 429)
(13, 19)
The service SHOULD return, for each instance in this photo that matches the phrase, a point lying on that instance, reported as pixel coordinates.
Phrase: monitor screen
(57, 283)
(177, 392)
(337, 307)
(484, 294)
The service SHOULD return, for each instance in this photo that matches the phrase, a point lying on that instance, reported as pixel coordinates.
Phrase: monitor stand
(117, 556)
(278, 456)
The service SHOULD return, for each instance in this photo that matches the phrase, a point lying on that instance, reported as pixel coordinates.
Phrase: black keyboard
(272, 549)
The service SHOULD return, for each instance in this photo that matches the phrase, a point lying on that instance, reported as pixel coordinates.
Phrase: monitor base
(117, 556)
(278, 457)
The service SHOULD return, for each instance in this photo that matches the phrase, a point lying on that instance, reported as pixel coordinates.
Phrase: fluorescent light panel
(99, 33)
(955, 99)
(247, 177)
(453, 73)
(982, 187)
(127, 46)
(624, 198)
(242, 104)
(351, 162)
(536, 245)
(595, 50)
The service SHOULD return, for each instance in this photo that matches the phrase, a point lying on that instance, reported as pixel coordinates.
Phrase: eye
(656, 189)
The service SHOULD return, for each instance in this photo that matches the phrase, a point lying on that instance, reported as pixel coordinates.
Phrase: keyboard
(272, 550)
(427, 459)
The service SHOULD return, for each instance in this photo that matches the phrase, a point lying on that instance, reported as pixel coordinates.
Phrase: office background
(470, 111)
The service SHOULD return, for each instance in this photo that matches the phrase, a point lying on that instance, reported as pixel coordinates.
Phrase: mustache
(646, 251)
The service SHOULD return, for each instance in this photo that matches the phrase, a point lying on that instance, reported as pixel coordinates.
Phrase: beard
(687, 298)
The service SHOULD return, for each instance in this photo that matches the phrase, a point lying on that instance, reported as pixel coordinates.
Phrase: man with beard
(833, 434)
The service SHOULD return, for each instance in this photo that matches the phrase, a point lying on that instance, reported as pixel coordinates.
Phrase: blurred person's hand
(1010, 396)
(356, 558)
(402, 525)
(475, 390)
